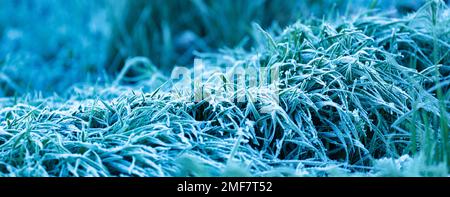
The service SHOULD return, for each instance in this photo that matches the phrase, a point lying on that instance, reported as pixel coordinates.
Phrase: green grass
(361, 95)
(168, 32)
(152, 29)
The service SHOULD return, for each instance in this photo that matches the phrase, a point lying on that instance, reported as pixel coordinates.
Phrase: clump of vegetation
(168, 32)
(362, 95)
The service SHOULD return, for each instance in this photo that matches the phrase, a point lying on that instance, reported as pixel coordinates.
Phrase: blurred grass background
(49, 45)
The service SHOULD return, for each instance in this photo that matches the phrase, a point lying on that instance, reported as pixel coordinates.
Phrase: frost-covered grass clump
(365, 95)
